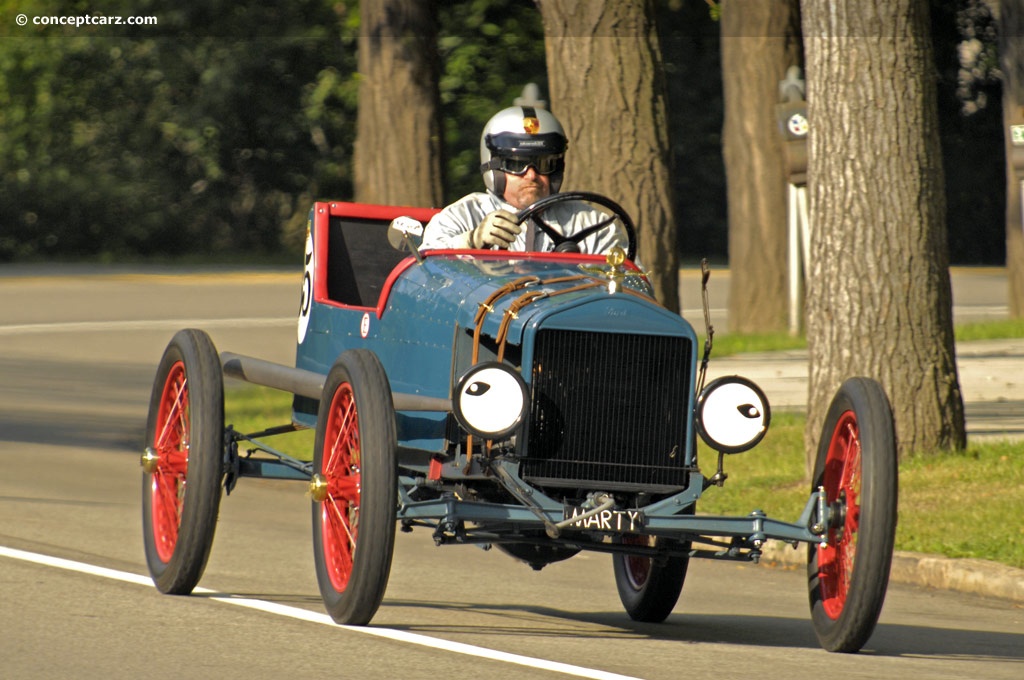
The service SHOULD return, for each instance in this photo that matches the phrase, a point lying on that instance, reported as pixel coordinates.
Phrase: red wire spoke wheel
(648, 589)
(354, 488)
(340, 509)
(182, 463)
(842, 483)
(167, 483)
(857, 467)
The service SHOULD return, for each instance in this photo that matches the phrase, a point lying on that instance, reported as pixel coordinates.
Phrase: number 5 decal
(307, 287)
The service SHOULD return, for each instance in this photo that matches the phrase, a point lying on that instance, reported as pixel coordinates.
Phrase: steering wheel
(571, 244)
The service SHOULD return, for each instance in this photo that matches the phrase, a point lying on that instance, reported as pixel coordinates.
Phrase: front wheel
(183, 462)
(354, 488)
(648, 587)
(857, 467)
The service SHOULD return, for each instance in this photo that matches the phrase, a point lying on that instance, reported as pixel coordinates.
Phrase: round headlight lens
(490, 400)
(732, 414)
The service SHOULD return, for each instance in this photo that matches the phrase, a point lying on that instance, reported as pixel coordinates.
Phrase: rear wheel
(857, 467)
(354, 488)
(183, 462)
(649, 588)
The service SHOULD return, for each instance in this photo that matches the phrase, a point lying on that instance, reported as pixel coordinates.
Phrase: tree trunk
(760, 40)
(1011, 58)
(607, 88)
(879, 302)
(397, 159)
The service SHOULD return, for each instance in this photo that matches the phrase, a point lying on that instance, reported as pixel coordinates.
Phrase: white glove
(500, 229)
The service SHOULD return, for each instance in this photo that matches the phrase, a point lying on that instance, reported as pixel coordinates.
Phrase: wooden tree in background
(607, 88)
(760, 40)
(879, 301)
(1011, 60)
(397, 158)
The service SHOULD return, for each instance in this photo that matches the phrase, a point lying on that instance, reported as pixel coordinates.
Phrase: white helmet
(518, 137)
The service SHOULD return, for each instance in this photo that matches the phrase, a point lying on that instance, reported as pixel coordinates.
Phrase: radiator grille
(608, 411)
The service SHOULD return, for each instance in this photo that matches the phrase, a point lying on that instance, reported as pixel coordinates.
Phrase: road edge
(973, 576)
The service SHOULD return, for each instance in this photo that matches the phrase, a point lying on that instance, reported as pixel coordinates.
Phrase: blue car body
(421, 327)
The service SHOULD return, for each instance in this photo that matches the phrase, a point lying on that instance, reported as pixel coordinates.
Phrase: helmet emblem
(531, 125)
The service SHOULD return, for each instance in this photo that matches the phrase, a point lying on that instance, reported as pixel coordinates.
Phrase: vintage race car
(541, 403)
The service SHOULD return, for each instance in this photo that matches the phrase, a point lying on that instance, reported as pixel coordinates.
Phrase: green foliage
(688, 31)
(971, 122)
(212, 131)
(489, 50)
(207, 142)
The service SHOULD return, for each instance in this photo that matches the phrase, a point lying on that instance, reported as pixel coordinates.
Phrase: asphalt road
(77, 356)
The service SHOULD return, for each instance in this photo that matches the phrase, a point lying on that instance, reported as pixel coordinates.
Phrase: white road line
(323, 619)
(155, 325)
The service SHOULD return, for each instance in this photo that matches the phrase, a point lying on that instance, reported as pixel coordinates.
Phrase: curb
(979, 577)
(974, 576)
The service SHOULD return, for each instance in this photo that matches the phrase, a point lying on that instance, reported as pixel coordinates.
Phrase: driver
(522, 158)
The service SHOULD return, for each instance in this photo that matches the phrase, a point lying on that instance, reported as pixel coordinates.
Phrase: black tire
(857, 466)
(354, 510)
(183, 463)
(648, 590)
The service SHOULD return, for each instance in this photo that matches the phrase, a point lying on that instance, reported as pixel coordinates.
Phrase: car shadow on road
(946, 643)
(889, 640)
(72, 430)
(73, 403)
(514, 620)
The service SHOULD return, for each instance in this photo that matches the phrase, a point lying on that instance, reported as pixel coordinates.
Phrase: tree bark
(879, 301)
(1011, 58)
(760, 40)
(608, 89)
(398, 151)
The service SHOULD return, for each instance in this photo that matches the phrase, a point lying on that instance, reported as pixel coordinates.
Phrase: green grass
(729, 344)
(250, 408)
(769, 477)
(990, 330)
(964, 504)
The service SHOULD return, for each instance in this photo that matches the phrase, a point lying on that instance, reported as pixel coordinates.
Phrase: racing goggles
(518, 165)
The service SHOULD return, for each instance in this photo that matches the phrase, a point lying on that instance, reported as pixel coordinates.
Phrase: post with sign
(1017, 160)
(793, 124)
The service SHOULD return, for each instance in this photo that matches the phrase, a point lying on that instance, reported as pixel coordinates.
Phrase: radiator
(608, 411)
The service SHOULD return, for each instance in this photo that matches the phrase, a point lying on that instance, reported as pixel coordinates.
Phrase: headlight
(732, 414)
(490, 400)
